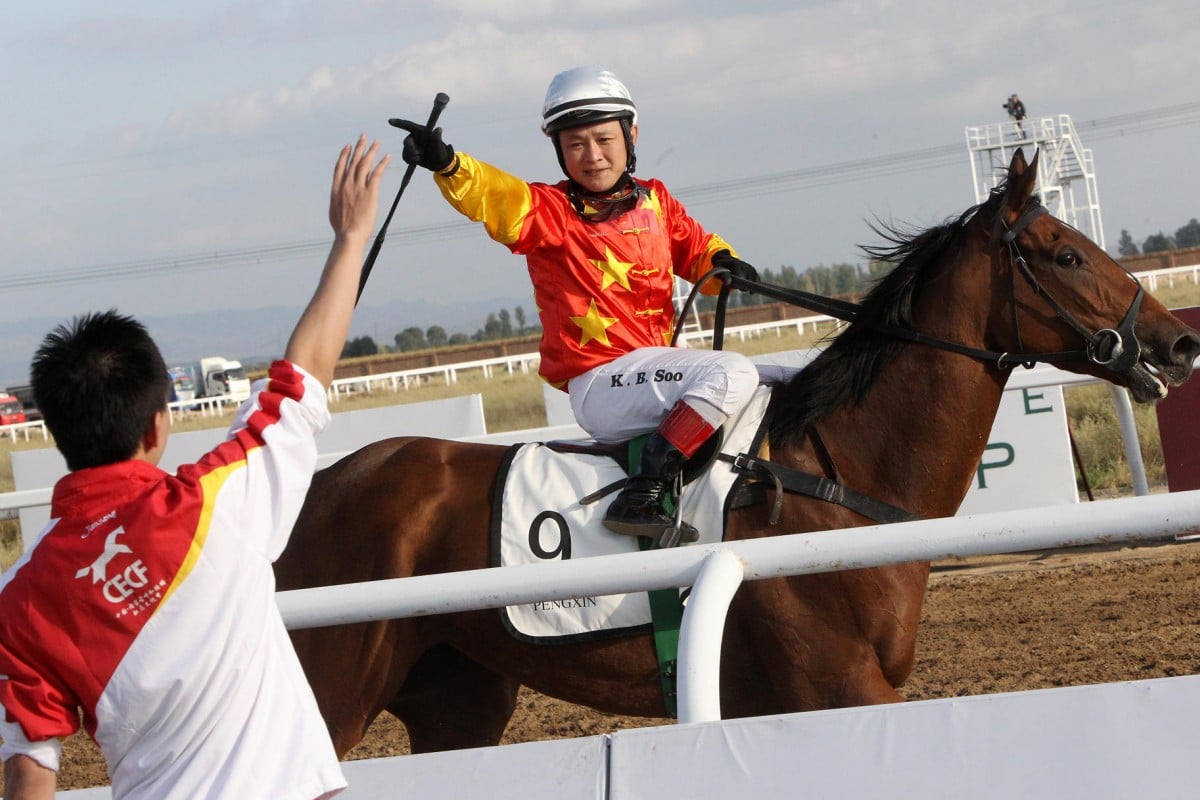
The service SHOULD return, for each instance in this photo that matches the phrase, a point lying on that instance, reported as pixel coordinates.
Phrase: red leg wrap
(685, 429)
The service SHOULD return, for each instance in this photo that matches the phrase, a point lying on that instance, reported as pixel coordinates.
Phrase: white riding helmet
(584, 95)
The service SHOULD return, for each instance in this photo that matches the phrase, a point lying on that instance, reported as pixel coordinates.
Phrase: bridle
(1115, 349)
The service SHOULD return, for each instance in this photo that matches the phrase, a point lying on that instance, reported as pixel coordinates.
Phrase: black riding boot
(639, 510)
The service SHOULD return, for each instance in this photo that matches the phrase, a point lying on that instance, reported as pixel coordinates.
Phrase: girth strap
(666, 617)
(791, 480)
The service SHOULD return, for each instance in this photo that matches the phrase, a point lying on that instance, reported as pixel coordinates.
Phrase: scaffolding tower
(1066, 179)
(690, 324)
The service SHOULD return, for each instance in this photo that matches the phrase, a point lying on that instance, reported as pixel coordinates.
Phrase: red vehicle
(11, 411)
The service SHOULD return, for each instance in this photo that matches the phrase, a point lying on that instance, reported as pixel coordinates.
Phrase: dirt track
(997, 624)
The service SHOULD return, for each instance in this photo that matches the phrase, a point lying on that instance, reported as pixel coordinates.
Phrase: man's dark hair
(98, 383)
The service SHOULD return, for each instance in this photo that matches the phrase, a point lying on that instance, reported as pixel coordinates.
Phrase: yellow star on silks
(614, 271)
(594, 326)
(651, 202)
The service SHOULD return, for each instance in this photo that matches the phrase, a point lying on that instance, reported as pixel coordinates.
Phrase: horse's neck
(917, 438)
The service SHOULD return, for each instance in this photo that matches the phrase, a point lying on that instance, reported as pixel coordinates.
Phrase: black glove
(737, 268)
(424, 147)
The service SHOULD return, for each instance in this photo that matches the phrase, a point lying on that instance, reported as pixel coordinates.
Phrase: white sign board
(1027, 462)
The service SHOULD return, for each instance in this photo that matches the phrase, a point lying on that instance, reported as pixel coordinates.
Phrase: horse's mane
(845, 372)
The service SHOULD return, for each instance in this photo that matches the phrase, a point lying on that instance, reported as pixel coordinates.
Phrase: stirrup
(681, 533)
(664, 535)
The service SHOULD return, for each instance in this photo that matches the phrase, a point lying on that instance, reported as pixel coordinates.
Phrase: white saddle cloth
(541, 519)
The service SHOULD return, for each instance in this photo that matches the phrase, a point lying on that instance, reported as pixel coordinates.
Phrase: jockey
(602, 248)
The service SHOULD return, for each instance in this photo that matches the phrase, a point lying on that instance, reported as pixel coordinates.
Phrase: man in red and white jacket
(147, 605)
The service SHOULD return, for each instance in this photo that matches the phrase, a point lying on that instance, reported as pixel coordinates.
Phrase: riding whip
(439, 103)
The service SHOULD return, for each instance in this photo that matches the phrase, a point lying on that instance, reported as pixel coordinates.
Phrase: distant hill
(254, 335)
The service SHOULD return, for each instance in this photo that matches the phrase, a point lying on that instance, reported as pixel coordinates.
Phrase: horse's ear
(1022, 178)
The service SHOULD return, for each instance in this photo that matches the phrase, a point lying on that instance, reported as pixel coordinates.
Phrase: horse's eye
(1068, 258)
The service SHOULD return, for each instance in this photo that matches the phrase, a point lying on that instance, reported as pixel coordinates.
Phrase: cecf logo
(119, 587)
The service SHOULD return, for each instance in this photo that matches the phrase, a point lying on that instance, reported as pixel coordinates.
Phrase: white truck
(219, 377)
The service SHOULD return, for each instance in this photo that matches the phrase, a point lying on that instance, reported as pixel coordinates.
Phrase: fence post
(700, 636)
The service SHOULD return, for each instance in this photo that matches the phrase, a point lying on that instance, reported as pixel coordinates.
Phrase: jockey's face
(595, 154)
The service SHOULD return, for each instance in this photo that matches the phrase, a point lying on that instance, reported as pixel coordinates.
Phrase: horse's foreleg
(868, 686)
(796, 645)
(449, 702)
(353, 671)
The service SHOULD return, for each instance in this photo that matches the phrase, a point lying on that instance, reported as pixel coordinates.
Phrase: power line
(1129, 124)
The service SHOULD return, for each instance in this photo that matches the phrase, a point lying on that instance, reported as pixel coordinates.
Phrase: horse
(897, 407)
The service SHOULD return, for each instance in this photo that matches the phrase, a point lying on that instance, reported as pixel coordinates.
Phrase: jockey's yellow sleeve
(602, 288)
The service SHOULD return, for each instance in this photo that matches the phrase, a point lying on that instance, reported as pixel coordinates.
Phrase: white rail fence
(402, 378)
(23, 429)
(1168, 276)
(206, 406)
(715, 571)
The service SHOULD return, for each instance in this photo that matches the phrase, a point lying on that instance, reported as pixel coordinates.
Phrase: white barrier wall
(1124, 740)
(560, 769)
(1121, 740)
(558, 406)
(452, 418)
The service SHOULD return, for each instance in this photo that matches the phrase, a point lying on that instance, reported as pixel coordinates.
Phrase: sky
(173, 159)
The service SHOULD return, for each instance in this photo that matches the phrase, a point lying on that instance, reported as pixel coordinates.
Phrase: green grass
(1091, 415)
(10, 542)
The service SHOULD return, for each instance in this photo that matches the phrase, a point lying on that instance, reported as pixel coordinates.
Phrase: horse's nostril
(1186, 349)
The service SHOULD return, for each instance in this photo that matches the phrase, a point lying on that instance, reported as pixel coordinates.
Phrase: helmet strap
(630, 156)
(602, 206)
(562, 162)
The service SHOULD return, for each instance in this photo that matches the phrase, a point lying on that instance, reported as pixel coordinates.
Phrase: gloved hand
(737, 268)
(424, 147)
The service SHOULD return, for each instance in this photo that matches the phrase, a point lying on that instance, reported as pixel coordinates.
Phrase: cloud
(190, 127)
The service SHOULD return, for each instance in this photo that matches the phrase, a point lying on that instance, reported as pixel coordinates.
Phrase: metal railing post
(700, 637)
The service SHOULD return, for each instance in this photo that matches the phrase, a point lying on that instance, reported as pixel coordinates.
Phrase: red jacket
(602, 289)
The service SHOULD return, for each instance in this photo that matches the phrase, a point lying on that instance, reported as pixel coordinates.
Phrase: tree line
(502, 324)
(1186, 236)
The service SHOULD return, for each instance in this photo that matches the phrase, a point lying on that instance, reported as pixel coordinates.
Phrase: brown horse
(903, 421)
